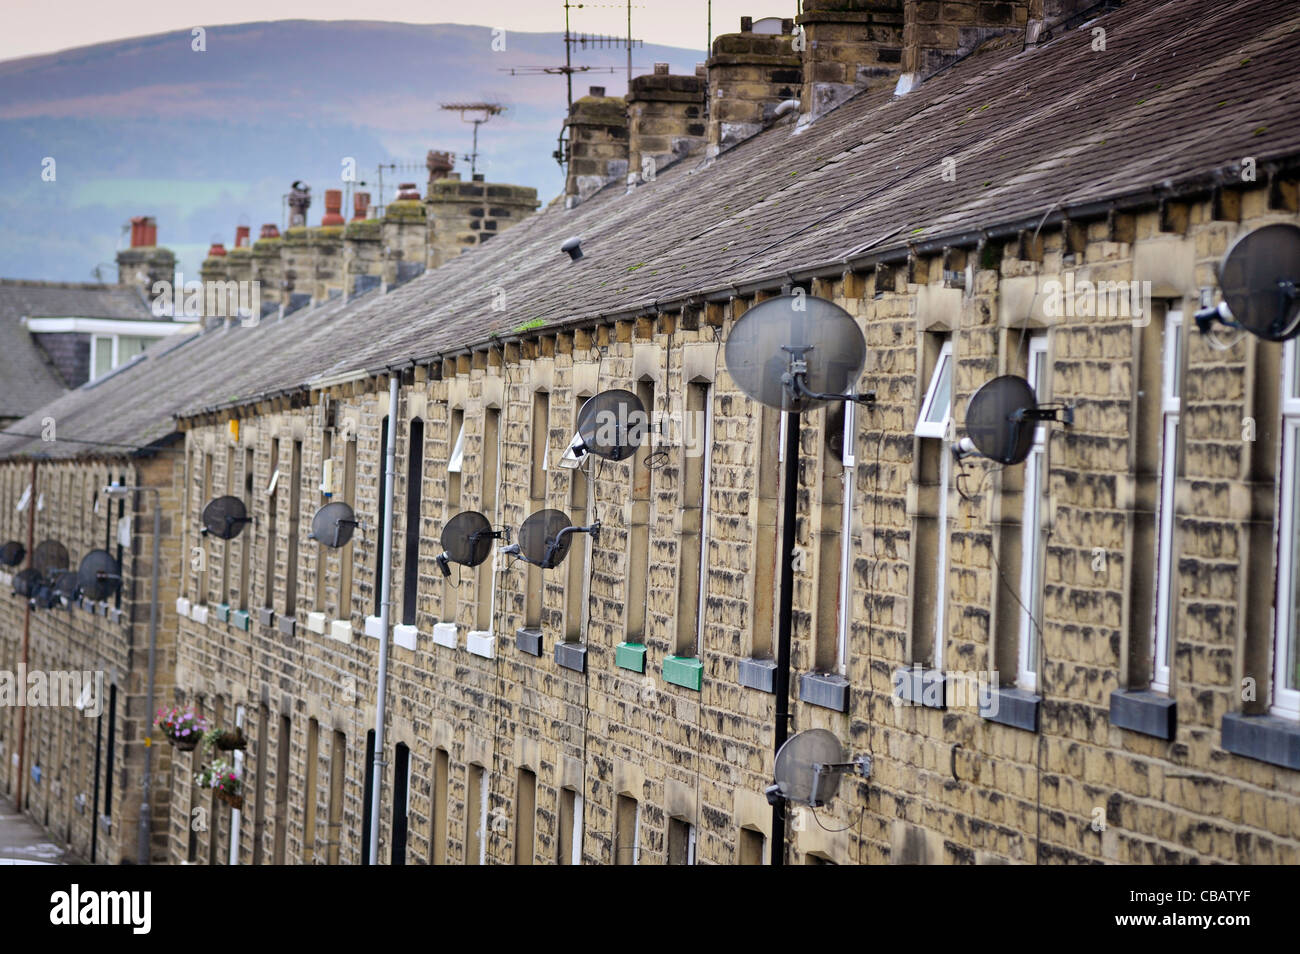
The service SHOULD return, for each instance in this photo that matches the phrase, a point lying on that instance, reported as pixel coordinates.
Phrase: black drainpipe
(785, 615)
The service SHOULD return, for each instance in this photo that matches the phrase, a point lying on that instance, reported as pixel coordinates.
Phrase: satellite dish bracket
(795, 381)
(861, 765)
(552, 546)
(337, 524)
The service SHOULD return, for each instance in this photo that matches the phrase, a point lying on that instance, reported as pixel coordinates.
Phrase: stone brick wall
(750, 75)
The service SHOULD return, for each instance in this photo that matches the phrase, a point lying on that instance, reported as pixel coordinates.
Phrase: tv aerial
(467, 540)
(49, 557)
(1002, 419)
(808, 769)
(99, 576)
(1259, 280)
(224, 518)
(546, 536)
(797, 352)
(611, 425)
(479, 114)
(12, 553)
(333, 525)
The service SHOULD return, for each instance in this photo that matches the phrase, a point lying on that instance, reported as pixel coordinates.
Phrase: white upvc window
(850, 460)
(706, 491)
(1170, 407)
(1031, 541)
(457, 458)
(575, 847)
(109, 351)
(933, 423)
(1286, 628)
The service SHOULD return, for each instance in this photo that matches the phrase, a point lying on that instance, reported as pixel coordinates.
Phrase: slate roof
(1184, 90)
(28, 378)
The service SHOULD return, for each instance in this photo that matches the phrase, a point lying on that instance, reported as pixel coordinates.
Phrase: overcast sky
(43, 26)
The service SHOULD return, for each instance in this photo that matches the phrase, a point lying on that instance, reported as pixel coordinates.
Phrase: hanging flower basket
(183, 728)
(227, 740)
(224, 779)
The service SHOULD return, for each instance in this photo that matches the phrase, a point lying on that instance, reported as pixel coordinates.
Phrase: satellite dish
(25, 582)
(333, 524)
(1260, 282)
(225, 517)
(49, 556)
(998, 419)
(545, 537)
(99, 575)
(65, 585)
(43, 595)
(12, 553)
(809, 765)
(611, 425)
(797, 352)
(467, 540)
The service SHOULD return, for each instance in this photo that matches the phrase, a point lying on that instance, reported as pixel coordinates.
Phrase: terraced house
(1089, 656)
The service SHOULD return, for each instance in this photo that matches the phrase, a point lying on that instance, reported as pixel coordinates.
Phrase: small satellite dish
(467, 540)
(99, 575)
(43, 595)
(49, 556)
(26, 581)
(611, 425)
(224, 518)
(809, 765)
(333, 524)
(1260, 282)
(797, 352)
(65, 585)
(12, 553)
(1002, 418)
(545, 537)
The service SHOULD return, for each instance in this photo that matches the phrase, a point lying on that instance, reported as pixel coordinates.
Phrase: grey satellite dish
(99, 575)
(809, 765)
(224, 518)
(466, 540)
(1002, 418)
(65, 585)
(611, 425)
(797, 352)
(49, 557)
(545, 537)
(12, 553)
(333, 525)
(26, 581)
(43, 595)
(1260, 282)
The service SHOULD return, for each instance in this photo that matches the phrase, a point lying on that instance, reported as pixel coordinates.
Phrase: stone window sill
(1017, 708)
(830, 691)
(1143, 710)
(1266, 738)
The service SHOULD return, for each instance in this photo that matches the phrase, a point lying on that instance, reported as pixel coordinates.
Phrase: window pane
(1289, 645)
(130, 346)
(937, 412)
(103, 355)
(457, 452)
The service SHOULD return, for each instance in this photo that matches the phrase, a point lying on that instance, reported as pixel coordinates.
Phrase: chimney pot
(596, 91)
(701, 69)
(746, 24)
(333, 207)
(299, 202)
(787, 26)
(216, 249)
(241, 236)
(661, 69)
(407, 191)
(360, 205)
(269, 231)
(150, 234)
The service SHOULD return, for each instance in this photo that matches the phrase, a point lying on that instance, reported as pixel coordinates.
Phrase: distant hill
(205, 140)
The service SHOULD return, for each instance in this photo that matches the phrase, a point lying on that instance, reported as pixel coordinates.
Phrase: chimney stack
(850, 46)
(597, 126)
(333, 208)
(937, 32)
(665, 115)
(267, 269)
(750, 76)
(145, 262)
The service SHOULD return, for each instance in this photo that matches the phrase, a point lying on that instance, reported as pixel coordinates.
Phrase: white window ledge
(182, 606)
(445, 634)
(481, 643)
(341, 629)
(374, 627)
(199, 614)
(405, 636)
(316, 622)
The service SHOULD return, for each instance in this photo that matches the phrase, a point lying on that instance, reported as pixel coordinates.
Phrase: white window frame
(706, 489)
(1170, 409)
(1286, 701)
(938, 430)
(456, 459)
(1031, 529)
(942, 365)
(482, 814)
(235, 814)
(848, 477)
(95, 345)
(575, 849)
